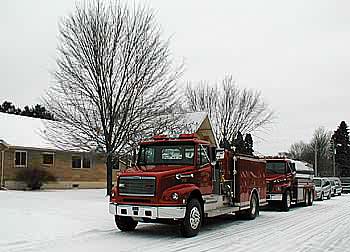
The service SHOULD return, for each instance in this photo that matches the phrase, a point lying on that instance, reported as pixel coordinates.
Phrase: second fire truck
(289, 181)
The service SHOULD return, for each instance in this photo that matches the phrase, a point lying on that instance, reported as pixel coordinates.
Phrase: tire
(307, 199)
(322, 197)
(192, 222)
(329, 195)
(286, 201)
(339, 194)
(125, 223)
(253, 211)
(311, 198)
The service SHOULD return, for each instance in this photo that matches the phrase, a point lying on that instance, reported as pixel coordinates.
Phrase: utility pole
(316, 159)
(2, 169)
(334, 152)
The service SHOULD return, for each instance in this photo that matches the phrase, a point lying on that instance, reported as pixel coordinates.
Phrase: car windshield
(317, 182)
(275, 167)
(169, 154)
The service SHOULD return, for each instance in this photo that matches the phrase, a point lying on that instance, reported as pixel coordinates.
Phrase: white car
(336, 186)
(322, 188)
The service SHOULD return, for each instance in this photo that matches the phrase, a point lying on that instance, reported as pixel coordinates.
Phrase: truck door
(204, 171)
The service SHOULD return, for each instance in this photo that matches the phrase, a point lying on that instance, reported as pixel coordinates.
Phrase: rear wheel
(286, 201)
(253, 210)
(193, 219)
(307, 198)
(125, 223)
(311, 198)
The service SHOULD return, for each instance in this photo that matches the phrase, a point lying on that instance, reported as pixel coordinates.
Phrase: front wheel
(125, 223)
(192, 222)
(286, 201)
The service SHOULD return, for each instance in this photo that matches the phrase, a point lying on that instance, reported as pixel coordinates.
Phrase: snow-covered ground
(78, 220)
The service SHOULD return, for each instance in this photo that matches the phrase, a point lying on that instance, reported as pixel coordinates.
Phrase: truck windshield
(276, 167)
(317, 182)
(174, 154)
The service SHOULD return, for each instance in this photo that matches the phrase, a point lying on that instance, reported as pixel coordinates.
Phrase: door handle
(180, 176)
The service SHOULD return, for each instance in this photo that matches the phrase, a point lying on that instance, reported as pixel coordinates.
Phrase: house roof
(192, 121)
(27, 132)
(197, 122)
(23, 131)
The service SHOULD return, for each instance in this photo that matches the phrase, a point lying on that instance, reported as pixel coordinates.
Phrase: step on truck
(183, 180)
(289, 181)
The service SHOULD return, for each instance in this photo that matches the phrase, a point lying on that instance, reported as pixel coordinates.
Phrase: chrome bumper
(274, 197)
(147, 211)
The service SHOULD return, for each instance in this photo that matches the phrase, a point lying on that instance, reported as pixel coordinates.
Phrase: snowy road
(78, 220)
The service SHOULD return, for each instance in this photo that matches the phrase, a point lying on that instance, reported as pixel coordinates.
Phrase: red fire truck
(182, 180)
(289, 181)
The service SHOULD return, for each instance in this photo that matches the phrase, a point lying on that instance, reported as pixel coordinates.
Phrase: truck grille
(137, 186)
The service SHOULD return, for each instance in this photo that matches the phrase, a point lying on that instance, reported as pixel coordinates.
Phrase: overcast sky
(295, 52)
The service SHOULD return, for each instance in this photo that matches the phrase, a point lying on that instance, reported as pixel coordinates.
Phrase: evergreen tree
(240, 144)
(8, 107)
(37, 112)
(225, 144)
(249, 144)
(342, 147)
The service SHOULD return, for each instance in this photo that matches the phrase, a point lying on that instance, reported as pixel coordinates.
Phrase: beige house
(22, 147)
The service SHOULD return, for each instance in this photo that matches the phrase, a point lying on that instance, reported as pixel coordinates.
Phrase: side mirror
(213, 163)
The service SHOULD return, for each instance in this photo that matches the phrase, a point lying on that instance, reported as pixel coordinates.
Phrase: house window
(48, 158)
(86, 162)
(81, 162)
(21, 158)
(76, 161)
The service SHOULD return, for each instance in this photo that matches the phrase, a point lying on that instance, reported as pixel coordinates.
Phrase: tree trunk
(109, 165)
(133, 159)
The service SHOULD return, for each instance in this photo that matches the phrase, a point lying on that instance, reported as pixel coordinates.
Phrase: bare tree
(230, 108)
(320, 143)
(299, 150)
(114, 78)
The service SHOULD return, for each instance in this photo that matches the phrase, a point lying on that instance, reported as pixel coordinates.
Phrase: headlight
(174, 196)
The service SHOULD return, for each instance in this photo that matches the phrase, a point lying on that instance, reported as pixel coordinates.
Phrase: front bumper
(152, 212)
(274, 197)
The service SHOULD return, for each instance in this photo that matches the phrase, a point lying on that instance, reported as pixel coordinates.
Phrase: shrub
(34, 178)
